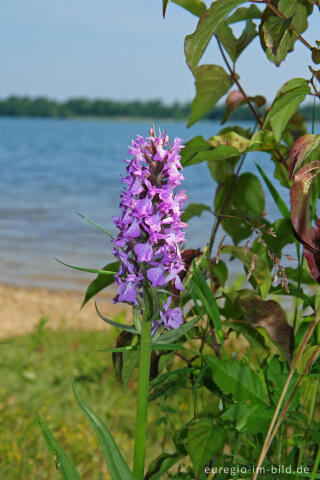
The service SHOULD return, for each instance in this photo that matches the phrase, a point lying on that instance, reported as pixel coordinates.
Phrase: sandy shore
(21, 309)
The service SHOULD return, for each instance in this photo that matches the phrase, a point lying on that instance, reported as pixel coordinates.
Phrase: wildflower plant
(243, 353)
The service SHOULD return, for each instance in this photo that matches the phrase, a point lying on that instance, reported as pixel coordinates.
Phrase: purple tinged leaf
(299, 151)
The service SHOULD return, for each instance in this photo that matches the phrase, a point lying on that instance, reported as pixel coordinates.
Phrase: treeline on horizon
(105, 108)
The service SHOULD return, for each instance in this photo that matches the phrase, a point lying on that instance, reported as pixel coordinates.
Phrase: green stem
(142, 403)
(316, 464)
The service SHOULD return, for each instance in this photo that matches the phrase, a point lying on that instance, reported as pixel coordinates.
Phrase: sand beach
(21, 309)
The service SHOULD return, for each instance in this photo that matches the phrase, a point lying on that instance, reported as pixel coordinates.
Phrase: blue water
(53, 168)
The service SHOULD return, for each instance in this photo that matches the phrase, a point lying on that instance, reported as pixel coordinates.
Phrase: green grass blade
(63, 461)
(204, 293)
(117, 466)
(127, 328)
(284, 210)
(95, 224)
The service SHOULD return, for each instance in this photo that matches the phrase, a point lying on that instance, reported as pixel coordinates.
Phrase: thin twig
(305, 340)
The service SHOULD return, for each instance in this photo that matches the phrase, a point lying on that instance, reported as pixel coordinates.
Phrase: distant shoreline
(106, 109)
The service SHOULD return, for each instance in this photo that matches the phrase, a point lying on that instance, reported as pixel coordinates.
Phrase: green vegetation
(35, 378)
(103, 108)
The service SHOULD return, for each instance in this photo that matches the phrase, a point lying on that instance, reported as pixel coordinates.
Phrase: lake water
(51, 168)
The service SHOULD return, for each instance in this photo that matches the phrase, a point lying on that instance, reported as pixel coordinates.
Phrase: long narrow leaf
(95, 224)
(127, 328)
(284, 210)
(117, 466)
(208, 300)
(101, 282)
(63, 461)
(90, 270)
(173, 335)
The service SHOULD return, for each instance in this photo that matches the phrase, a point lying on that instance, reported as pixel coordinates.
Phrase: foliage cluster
(250, 352)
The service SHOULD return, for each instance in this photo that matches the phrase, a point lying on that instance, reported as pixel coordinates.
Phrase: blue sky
(117, 49)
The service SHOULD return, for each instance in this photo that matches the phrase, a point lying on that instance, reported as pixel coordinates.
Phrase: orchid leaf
(117, 466)
(63, 461)
(95, 224)
(90, 270)
(101, 282)
(122, 326)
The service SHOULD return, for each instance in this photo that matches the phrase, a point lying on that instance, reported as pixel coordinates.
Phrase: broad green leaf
(196, 43)
(101, 282)
(303, 276)
(284, 210)
(286, 102)
(281, 43)
(232, 139)
(249, 419)
(117, 466)
(63, 461)
(260, 272)
(232, 44)
(122, 326)
(262, 141)
(222, 168)
(194, 6)
(160, 465)
(204, 293)
(192, 148)
(253, 336)
(212, 82)
(236, 378)
(315, 54)
(244, 13)
(274, 30)
(204, 441)
(221, 152)
(243, 199)
(194, 210)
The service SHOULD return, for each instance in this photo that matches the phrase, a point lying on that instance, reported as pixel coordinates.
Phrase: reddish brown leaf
(298, 152)
(300, 216)
(269, 315)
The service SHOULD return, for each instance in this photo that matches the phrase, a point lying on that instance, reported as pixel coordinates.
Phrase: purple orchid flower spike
(150, 225)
